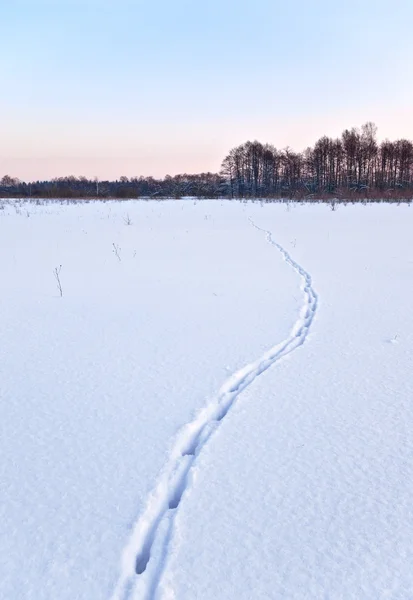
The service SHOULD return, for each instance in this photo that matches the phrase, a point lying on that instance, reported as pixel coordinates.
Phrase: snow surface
(223, 410)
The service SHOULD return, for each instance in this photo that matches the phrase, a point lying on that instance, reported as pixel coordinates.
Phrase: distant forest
(352, 167)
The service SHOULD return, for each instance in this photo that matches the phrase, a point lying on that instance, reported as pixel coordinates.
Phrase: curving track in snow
(158, 517)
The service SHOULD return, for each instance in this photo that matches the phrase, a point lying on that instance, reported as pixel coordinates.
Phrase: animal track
(168, 494)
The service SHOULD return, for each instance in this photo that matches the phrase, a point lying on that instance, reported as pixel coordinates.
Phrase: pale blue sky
(112, 87)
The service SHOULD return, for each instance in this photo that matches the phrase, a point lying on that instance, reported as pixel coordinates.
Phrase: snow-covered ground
(219, 406)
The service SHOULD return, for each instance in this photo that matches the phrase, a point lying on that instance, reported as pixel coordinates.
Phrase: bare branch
(56, 272)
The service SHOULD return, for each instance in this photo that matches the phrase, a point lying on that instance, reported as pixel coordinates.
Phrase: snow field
(166, 432)
(97, 385)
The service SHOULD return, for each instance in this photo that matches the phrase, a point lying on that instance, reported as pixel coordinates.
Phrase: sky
(119, 87)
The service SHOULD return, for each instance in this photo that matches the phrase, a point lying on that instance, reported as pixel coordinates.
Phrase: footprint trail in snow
(158, 516)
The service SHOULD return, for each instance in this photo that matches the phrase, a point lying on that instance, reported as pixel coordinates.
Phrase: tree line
(353, 166)
(203, 185)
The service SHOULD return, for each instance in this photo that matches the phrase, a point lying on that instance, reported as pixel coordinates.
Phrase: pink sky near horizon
(107, 153)
(105, 88)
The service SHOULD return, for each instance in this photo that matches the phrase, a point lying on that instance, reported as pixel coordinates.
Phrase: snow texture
(167, 434)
